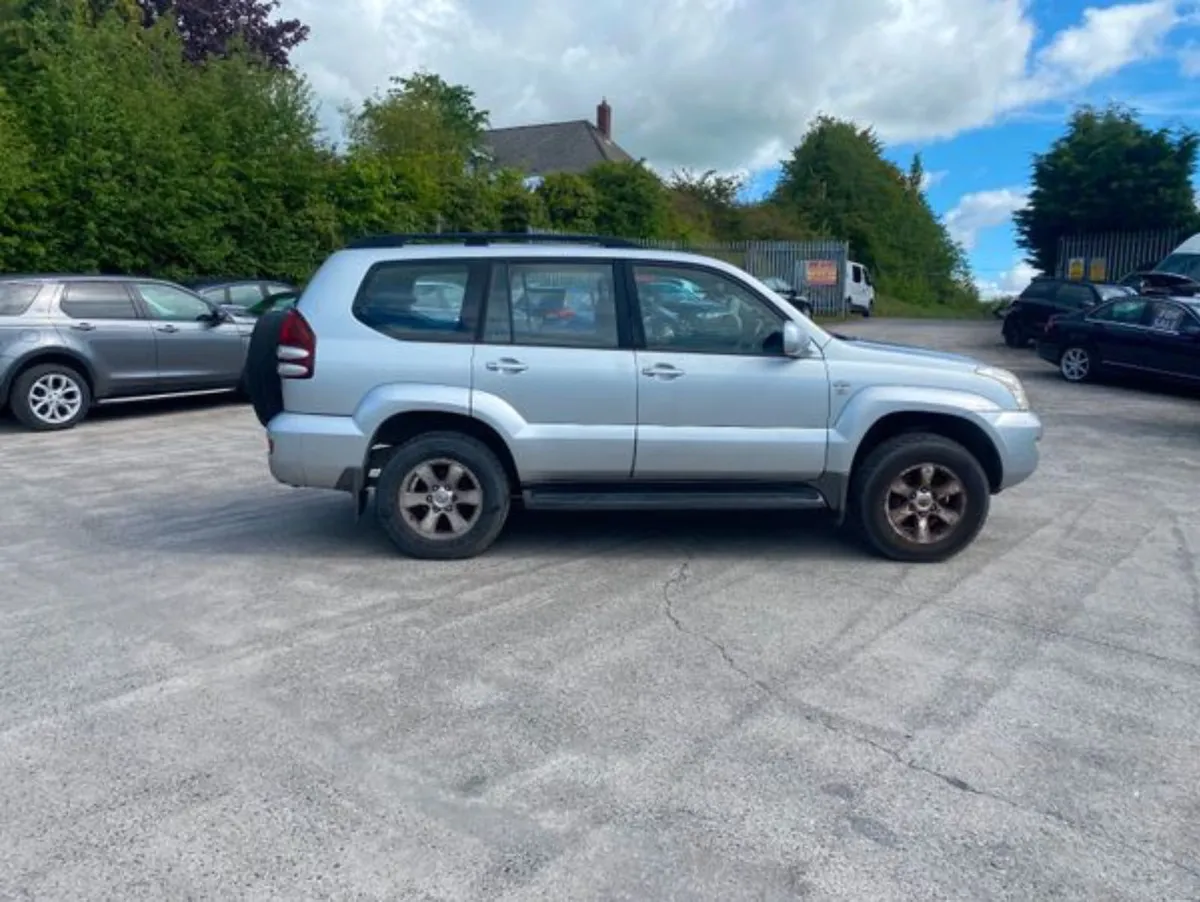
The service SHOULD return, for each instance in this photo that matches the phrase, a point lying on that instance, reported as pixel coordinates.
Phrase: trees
(211, 28)
(1108, 173)
(838, 183)
(119, 154)
(631, 200)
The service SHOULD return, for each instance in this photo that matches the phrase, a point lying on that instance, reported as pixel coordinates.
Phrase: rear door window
(422, 301)
(554, 304)
(1164, 316)
(97, 300)
(17, 297)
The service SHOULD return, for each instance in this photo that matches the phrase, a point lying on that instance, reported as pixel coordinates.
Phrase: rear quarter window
(17, 297)
(421, 301)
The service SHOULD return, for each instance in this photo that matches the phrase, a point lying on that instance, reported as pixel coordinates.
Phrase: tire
(1077, 363)
(260, 378)
(438, 451)
(866, 312)
(1013, 337)
(891, 526)
(50, 397)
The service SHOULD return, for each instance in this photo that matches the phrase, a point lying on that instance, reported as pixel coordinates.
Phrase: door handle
(83, 327)
(167, 328)
(506, 365)
(662, 371)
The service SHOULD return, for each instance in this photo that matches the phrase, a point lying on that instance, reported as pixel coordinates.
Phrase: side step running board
(668, 498)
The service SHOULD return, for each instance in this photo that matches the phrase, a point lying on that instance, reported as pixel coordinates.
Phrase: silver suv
(457, 375)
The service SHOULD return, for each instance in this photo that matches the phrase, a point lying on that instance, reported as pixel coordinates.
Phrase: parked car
(68, 342)
(786, 291)
(279, 301)
(449, 421)
(1130, 336)
(1045, 297)
(238, 296)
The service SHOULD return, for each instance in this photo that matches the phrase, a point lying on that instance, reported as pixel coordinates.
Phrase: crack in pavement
(830, 723)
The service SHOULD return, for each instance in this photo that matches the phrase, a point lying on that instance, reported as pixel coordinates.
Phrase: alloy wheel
(55, 398)
(1075, 364)
(441, 499)
(925, 503)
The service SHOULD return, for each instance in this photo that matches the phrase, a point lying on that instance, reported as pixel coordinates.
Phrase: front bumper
(311, 451)
(1017, 433)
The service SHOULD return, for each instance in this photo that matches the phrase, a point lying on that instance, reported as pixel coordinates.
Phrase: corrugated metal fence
(1112, 256)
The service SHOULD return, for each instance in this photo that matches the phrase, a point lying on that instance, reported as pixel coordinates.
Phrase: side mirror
(796, 342)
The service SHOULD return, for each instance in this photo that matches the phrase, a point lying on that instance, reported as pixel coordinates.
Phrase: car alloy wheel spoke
(925, 503)
(55, 398)
(440, 499)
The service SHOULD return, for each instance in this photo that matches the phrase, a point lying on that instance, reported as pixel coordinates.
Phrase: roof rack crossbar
(482, 239)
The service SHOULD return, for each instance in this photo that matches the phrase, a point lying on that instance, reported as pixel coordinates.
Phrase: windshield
(1187, 265)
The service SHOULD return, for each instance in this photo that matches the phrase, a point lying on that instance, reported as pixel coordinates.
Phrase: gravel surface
(216, 687)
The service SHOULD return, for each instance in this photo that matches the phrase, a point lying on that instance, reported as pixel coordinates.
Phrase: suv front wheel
(920, 498)
(442, 496)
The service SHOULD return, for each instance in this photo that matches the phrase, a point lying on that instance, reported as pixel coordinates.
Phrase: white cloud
(929, 179)
(726, 84)
(983, 210)
(1012, 281)
(1106, 41)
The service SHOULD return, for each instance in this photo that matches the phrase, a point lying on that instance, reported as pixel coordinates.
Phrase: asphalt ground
(213, 686)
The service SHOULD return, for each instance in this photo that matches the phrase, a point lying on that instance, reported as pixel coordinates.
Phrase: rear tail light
(297, 350)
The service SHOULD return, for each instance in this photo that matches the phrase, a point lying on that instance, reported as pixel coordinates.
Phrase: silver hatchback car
(455, 375)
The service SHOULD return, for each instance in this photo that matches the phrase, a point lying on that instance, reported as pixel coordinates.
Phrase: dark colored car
(279, 301)
(785, 290)
(1046, 297)
(240, 296)
(1134, 335)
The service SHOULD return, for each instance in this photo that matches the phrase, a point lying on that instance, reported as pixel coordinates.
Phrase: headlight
(1009, 381)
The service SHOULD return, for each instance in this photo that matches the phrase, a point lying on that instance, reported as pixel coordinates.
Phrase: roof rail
(482, 239)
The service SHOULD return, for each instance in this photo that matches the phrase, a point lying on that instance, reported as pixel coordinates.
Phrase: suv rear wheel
(920, 498)
(49, 397)
(443, 496)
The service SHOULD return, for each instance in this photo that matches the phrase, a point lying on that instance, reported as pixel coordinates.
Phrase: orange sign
(821, 272)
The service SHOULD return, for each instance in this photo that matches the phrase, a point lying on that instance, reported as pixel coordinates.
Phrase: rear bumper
(316, 452)
(1017, 433)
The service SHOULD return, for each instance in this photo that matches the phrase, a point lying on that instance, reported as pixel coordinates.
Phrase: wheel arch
(400, 427)
(41, 356)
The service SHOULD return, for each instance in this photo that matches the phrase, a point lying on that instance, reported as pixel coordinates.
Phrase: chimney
(604, 119)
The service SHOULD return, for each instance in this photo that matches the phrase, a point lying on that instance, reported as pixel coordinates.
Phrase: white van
(1184, 260)
(860, 290)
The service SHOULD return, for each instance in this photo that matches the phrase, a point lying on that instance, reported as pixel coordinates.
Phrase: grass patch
(886, 306)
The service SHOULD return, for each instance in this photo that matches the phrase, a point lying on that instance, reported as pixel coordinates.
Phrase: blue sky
(978, 175)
